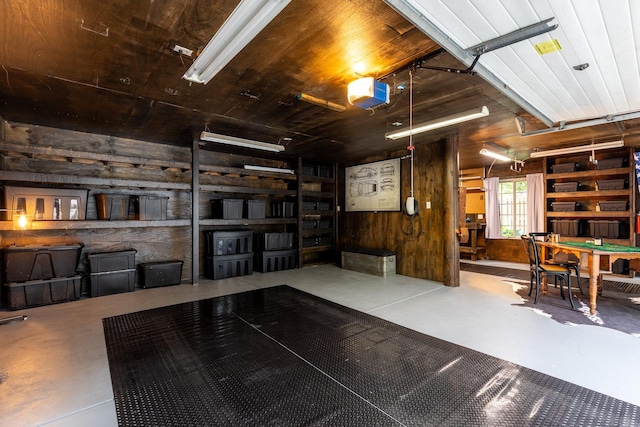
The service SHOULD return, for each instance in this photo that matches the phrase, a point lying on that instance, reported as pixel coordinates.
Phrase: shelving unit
(588, 220)
(317, 190)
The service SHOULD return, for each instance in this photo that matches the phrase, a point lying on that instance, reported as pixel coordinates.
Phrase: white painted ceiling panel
(603, 33)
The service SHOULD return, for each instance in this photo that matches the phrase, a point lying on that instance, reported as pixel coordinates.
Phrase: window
(512, 196)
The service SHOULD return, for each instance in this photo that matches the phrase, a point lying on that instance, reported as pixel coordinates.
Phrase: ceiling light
(367, 92)
(240, 142)
(269, 169)
(495, 155)
(579, 149)
(439, 123)
(245, 22)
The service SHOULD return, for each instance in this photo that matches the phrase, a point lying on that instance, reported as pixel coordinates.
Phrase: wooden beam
(195, 209)
(451, 243)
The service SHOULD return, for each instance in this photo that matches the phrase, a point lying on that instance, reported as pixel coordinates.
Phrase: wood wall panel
(418, 244)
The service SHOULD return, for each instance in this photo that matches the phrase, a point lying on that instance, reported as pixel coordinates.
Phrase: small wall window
(512, 195)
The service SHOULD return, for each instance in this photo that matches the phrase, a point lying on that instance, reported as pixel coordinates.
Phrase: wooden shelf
(244, 221)
(318, 249)
(97, 224)
(589, 214)
(316, 232)
(318, 194)
(246, 190)
(589, 194)
(590, 174)
(226, 170)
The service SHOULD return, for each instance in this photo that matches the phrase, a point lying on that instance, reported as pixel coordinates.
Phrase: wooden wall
(420, 244)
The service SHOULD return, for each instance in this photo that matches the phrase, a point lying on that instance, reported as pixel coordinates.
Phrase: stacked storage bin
(276, 252)
(112, 272)
(40, 275)
(228, 253)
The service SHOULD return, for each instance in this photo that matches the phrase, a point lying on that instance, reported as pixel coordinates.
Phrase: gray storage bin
(605, 228)
(611, 184)
(612, 205)
(269, 261)
(565, 187)
(225, 266)
(228, 242)
(227, 208)
(566, 227)
(564, 206)
(610, 163)
(564, 167)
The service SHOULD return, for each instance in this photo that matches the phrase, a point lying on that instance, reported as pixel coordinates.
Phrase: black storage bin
(274, 241)
(324, 171)
(225, 266)
(228, 242)
(308, 170)
(324, 241)
(309, 242)
(564, 206)
(112, 272)
(35, 293)
(610, 163)
(566, 227)
(605, 228)
(308, 225)
(323, 206)
(227, 208)
(611, 184)
(32, 262)
(269, 261)
(255, 209)
(283, 210)
(309, 206)
(112, 206)
(564, 187)
(564, 167)
(47, 203)
(612, 205)
(160, 273)
(150, 208)
(620, 266)
(324, 223)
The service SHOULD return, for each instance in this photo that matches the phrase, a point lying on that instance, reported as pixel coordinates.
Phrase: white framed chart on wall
(373, 186)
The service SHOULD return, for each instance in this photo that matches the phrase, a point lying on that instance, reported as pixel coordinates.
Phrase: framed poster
(373, 186)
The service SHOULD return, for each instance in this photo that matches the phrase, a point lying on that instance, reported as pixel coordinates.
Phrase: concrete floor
(54, 369)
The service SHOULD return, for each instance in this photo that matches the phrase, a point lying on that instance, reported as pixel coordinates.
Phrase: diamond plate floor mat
(282, 357)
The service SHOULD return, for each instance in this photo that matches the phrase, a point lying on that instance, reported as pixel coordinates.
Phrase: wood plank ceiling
(109, 67)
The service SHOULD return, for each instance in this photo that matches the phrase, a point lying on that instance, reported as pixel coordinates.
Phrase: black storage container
(160, 273)
(308, 225)
(113, 206)
(150, 208)
(562, 187)
(323, 206)
(564, 206)
(309, 206)
(283, 209)
(269, 261)
(564, 167)
(611, 184)
(225, 266)
(112, 272)
(566, 227)
(309, 242)
(34, 293)
(605, 228)
(324, 223)
(227, 208)
(610, 163)
(324, 241)
(228, 242)
(47, 203)
(32, 262)
(324, 171)
(308, 170)
(274, 241)
(612, 205)
(255, 209)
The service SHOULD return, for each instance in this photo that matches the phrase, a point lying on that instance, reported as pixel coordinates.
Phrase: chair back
(532, 250)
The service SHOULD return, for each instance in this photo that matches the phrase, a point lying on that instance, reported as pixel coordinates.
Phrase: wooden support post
(451, 243)
(195, 212)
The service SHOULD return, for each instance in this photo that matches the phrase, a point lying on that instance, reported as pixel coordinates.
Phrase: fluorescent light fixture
(245, 22)
(578, 149)
(240, 142)
(439, 123)
(495, 155)
(268, 169)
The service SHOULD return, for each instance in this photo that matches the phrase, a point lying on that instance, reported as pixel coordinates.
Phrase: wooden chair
(563, 259)
(540, 270)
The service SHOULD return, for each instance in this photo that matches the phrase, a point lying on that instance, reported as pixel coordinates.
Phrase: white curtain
(492, 208)
(535, 203)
